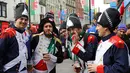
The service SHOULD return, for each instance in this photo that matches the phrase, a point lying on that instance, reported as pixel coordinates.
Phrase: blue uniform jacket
(115, 59)
(9, 49)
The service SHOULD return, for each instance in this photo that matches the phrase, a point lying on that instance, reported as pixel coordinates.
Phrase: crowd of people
(102, 47)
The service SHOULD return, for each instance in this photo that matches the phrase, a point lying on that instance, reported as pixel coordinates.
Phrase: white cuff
(53, 58)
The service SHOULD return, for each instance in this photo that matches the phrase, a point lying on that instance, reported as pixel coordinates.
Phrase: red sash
(41, 65)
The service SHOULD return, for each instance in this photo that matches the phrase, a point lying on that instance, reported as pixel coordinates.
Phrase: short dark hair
(85, 26)
(128, 26)
(96, 16)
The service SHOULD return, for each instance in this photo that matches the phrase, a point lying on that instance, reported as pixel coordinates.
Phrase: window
(41, 9)
(0, 10)
(3, 9)
(20, 1)
(14, 11)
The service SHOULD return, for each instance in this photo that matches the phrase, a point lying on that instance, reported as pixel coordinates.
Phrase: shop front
(127, 12)
(3, 25)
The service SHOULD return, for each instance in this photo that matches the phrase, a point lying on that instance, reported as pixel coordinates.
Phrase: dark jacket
(9, 49)
(90, 46)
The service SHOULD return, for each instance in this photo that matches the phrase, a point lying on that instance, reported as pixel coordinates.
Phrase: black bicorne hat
(21, 9)
(109, 18)
(47, 20)
(74, 21)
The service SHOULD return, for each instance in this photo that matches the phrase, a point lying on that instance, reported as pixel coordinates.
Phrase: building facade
(56, 6)
(53, 6)
(70, 6)
(6, 13)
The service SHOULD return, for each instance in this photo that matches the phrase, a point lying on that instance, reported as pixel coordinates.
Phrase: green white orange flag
(86, 6)
(34, 6)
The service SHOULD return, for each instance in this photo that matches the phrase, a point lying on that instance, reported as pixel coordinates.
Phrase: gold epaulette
(37, 34)
(58, 40)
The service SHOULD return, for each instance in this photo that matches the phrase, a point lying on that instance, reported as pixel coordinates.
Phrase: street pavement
(65, 67)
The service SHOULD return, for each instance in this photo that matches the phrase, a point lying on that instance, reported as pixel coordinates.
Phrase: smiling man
(13, 50)
(112, 52)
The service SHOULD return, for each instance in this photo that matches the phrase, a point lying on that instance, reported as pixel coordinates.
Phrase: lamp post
(29, 14)
(60, 14)
(90, 11)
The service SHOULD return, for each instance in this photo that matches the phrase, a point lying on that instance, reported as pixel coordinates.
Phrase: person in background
(92, 30)
(128, 41)
(123, 34)
(86, 27)
(112, 52)
(128, 31)
(121, 30)
(63, 32)
(64, 38)
(115, 30)
(13, 50)
(47, 48)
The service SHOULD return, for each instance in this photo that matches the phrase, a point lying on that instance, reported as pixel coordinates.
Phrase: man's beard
(48, 35)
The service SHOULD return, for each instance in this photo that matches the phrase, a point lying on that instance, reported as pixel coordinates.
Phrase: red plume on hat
(122, 8)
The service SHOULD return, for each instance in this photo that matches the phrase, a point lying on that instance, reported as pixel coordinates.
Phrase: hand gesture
(75, 37)
(46, 57)
(77, 67)
(92, 67)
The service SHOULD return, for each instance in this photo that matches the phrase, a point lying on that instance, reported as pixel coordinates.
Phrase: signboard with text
(113, 5)
(107, 1)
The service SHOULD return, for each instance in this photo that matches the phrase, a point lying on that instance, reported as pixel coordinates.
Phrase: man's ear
(106, 29)
(121, 17)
